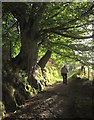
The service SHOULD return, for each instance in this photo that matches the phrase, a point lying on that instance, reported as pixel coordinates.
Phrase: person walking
(64, 72)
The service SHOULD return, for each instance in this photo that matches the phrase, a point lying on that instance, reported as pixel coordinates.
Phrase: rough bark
(28, 55)
(29, 49)
(29, 29)
(29, 33)
(44, 59)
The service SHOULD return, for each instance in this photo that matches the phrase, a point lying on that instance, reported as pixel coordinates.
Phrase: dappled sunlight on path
(59, 101)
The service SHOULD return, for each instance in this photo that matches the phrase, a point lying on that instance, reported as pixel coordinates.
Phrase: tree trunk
(28, 55)
(29, 23)
(44, 59)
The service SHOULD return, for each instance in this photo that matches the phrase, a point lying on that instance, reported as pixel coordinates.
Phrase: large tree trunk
(29, 50)
(27, 57)
(29, 30)
(44, 59)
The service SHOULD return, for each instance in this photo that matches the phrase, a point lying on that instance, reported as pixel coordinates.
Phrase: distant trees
(55, 26)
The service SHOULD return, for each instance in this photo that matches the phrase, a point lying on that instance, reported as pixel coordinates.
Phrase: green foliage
(60, 27)
(2, 108)
(10, 41)
(53, 72)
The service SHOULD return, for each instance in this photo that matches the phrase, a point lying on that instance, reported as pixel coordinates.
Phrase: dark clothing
(64, 74)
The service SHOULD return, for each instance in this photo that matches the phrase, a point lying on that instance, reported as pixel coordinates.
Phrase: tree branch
(66, 4)
(69, 22)
(71, 36)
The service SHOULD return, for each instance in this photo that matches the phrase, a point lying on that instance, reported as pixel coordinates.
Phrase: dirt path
(59, 101)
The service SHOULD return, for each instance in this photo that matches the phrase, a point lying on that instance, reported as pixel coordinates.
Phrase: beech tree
(58, 25)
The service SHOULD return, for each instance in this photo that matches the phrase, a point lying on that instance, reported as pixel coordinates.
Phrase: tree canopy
(63, 28)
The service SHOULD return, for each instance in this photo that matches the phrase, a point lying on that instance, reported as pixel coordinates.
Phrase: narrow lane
(59, 101)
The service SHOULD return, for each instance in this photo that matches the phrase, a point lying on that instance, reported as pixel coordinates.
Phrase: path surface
(59, 101)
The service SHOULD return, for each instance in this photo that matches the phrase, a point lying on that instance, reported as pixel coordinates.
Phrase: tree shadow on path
(59, 101)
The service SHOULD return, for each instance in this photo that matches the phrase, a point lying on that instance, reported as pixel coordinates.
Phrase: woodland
(38, 38)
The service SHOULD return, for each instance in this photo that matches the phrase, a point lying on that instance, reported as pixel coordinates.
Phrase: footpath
(59, 101)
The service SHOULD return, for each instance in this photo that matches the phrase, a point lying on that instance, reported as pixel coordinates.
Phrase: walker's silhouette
(64, 72)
